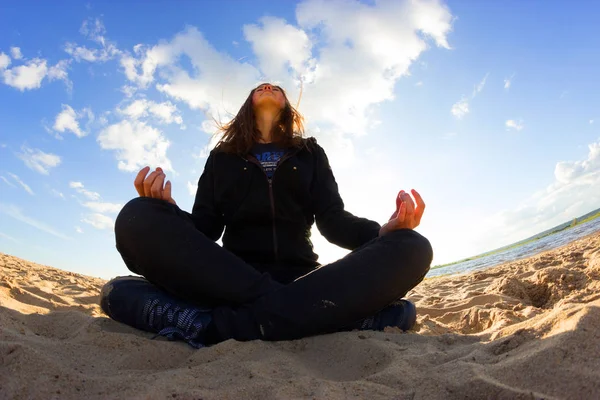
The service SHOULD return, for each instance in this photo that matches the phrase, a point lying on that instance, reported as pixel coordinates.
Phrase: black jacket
(267, 222)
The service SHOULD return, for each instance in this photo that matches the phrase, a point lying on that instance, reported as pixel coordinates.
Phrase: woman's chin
(267, 104)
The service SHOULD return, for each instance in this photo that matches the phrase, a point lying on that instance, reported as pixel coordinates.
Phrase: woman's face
(267, 95)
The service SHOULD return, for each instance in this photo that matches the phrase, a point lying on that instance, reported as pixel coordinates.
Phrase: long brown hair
(240, 134)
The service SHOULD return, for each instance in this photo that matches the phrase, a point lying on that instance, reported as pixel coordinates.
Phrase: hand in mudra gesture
(407, 215)
(152, 185)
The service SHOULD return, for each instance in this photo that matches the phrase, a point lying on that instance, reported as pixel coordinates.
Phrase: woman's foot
(138, 303)
(400, 314)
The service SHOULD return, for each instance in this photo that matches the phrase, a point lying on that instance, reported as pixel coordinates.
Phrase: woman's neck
(265, 121)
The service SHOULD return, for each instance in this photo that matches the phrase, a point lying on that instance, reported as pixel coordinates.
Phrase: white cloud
(27, 76)
(79, 188)
(128, 90)
(480, 85)
(279, 47)
(58, 194)
(165, 112)
(99, 221)
(5, 236)
(508, 82)
(192, 188)
(80, 53)
(23, 184)
(78, 229)
(362, 51)
(221, 86)
(136, 109)
(93, 30)
(16, 213)
(103, 119)
(460, 108)
(512, 124)
(4, 61)
(39, 161)
(591, 121)
(420, 83)
(136, 144)
(9, 183)
(204, 152)
(68, 120)
(30, 75)
(15, 52)
(146, 65)
(103, 207)
(567, 171)
(59, 72)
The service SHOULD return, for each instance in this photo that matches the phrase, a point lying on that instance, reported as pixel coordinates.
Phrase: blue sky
(491, 111)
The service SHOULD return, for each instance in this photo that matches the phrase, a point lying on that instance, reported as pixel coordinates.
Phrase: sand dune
(529, 329)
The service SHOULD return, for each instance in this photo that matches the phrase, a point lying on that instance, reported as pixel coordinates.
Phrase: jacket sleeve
(337, 225)
(205, 215)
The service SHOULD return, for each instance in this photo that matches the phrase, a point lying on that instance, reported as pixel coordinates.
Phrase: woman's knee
(415, 249)
(132, 213)
(135, 218)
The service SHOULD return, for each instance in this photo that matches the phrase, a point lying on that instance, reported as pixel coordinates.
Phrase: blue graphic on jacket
(268, 155)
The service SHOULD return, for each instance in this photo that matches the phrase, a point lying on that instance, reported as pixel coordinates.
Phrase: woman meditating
(263, 185)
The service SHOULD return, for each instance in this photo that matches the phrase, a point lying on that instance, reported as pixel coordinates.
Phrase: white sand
(529, 329)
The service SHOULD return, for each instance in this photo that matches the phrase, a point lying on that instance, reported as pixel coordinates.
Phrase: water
(546, 243)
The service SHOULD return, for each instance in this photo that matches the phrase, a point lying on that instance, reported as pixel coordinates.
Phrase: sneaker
(400, 314)
(138, 303)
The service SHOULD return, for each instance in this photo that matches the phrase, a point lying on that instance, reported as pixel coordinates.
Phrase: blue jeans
(159, 241)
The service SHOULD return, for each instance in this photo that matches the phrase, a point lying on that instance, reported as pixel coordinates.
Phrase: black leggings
(160, 242)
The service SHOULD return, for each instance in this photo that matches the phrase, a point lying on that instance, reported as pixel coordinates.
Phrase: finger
(167, 191)
(410, 205)
(398, 203)
(402, 213)
(420, 205)
(148, 183)
(157, 186)
(139, 180)
(399, 199)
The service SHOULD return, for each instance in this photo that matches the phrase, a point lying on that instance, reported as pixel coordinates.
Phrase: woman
(265, 185)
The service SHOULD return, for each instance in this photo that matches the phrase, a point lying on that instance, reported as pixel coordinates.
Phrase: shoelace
(367, 323)
(174, 322)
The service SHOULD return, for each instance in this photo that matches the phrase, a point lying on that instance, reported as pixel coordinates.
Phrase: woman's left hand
(407, 215)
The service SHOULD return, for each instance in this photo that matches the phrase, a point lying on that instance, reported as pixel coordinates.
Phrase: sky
(491, 110)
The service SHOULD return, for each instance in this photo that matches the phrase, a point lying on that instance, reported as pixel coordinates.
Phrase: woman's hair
(239, 134)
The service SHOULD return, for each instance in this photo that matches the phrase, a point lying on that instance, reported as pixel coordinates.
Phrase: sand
(528, 329)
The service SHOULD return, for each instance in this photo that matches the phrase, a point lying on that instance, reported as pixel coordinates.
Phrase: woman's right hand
(152, 185)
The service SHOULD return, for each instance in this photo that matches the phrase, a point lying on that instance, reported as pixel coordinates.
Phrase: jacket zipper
(271, 197)
(275, 245)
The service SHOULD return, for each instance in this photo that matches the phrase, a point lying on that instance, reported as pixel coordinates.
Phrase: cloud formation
(68, 120)
(38, 160)
(461, 107)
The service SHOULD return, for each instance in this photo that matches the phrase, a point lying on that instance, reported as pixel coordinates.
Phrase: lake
(527, 250)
